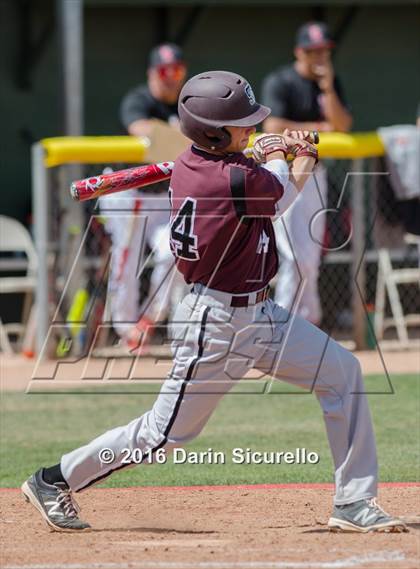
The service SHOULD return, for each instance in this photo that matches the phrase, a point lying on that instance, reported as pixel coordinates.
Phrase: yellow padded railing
(111, 149)
(93, 149)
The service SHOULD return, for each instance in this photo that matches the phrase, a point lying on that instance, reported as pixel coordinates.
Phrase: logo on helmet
(250, 94)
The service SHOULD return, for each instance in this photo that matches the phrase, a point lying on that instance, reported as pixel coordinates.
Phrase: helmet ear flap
(227, 135)
(218, 138)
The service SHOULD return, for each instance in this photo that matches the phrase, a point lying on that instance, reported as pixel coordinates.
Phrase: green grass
(37, 429)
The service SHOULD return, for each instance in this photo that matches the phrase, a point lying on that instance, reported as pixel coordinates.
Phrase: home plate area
(229, 527)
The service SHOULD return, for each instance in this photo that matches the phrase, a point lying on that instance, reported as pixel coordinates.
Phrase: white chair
(16, 239)
(387, 283)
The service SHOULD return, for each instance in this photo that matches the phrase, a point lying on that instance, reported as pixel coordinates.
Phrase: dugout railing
(348, 273)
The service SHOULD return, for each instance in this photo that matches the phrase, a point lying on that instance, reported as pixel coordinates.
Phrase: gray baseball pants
(214, 346)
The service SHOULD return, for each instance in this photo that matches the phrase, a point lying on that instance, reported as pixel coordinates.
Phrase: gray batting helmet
(210, 101)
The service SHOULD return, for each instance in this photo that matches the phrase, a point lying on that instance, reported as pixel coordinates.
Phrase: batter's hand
(311, 136)
(298, 145)
(266, 144)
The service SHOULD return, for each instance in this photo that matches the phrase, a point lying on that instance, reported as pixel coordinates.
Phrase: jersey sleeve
(275, 95)
(255, 191)
(134, 106)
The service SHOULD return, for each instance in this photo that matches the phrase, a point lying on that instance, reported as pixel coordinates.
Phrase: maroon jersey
(221, 232)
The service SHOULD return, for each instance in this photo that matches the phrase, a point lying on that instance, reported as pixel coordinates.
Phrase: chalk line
(345, 563)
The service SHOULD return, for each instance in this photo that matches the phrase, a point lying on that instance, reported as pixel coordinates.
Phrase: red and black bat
(103, 184)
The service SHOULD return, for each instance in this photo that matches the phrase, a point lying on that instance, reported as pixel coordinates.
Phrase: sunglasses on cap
(174, 71)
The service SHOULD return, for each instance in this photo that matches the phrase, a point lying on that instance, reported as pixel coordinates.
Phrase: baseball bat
(315, 137)
(138, 177)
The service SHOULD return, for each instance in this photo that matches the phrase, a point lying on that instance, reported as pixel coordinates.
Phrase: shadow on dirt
(153, 530)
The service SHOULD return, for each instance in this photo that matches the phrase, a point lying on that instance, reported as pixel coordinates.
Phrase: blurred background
(377, 57)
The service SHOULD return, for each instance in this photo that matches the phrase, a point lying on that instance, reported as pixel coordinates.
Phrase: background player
(305, 95)
(144, 215)
(223, 240)
(158, 99)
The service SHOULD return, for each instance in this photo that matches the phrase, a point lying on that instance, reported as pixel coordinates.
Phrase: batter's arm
(292, 180)
(301, 169)
(278, 167)
(273, 149)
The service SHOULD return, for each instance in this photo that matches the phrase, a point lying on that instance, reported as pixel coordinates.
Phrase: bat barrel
(119, 181)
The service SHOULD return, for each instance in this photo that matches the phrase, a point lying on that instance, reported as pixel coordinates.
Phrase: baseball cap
(165, 54)
(314, 35)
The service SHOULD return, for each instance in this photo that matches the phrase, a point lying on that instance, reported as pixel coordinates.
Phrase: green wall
(377, 61)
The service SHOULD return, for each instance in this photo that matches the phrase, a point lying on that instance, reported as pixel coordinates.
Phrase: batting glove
(266, 144)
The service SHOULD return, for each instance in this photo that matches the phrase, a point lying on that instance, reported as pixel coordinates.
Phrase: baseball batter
(222, 237)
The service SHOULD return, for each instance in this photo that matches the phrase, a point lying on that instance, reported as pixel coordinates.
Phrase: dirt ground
(203, 528)
(237, 527)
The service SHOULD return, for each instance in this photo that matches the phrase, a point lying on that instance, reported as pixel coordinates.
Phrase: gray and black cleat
(364, 516)
(55, 503)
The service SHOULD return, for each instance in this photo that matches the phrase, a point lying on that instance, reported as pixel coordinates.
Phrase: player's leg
(299, 234)
(123, 287)
(203, 333)
(158, 303)
(126, 228)
(303, 355)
